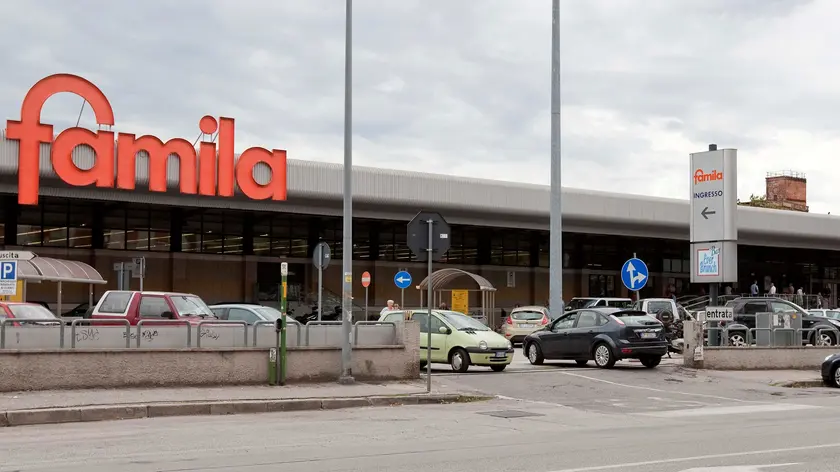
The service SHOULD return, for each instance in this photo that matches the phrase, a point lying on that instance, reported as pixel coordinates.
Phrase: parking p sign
(8, 277)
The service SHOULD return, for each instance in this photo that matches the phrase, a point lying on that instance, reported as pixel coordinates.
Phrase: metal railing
(109, 334)
(95, 322)
(5, 321)
(371, 323)
(298, 330)
(201, 333)
(141, 323)
(751, 336)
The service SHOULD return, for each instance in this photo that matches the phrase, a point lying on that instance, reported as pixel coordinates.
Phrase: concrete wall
(70, 369)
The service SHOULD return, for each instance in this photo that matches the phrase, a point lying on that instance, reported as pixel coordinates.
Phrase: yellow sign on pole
(461, 301)
(17, 297)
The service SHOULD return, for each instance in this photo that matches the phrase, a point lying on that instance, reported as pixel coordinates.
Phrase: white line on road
(659, 390)
(739, 468)
(728, 410)
(698, 458)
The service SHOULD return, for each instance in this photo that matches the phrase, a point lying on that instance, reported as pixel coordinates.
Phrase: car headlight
(509, 345)
(482, 345)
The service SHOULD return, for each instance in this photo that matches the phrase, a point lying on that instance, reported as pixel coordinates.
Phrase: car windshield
(31, 312)
(659, 306)
(190, 305)
(270, 314)
(462, 322)
(577, 303)
(620, 303)
(527, 315)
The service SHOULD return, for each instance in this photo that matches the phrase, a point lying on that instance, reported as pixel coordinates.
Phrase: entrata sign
(198, 173)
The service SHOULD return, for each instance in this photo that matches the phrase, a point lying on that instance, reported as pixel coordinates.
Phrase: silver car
(249, 313)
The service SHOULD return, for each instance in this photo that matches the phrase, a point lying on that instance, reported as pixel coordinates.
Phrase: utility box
(272, 366)
(786, 329)
(763, 331)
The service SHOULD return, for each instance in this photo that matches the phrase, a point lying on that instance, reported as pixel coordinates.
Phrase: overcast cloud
(461, 86)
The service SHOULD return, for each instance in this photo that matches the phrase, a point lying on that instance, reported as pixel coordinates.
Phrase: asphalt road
(560, 418)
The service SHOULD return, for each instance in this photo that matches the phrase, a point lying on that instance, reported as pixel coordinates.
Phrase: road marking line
(651, 389)
(728, 410)
(740, 468)
(535, 402)
(698, 458)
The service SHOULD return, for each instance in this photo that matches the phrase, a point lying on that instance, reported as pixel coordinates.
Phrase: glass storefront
(76, 224)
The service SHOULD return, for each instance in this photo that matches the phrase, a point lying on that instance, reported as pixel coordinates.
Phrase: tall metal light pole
(555, 285)
(347, 247)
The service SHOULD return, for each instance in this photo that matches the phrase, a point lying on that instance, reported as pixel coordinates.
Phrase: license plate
(501, 354)
(526, 325)
(648, 335)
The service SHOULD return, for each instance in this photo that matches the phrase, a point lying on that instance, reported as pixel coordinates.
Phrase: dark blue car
(605, 335)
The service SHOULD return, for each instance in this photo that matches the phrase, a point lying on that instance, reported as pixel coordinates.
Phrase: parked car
(28, 313)
(595, 302)
(606, 335)
(830, 370)
(250, 313)
(654, 306)
(134, 306)
(823, 313)
(82, 310)
(746, 308)
(457, 340)
(523, 321)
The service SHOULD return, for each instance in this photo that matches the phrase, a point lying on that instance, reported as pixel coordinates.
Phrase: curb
(82, 414)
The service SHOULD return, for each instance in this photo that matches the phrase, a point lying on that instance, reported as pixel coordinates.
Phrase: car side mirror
(444, 330)
(167, 315)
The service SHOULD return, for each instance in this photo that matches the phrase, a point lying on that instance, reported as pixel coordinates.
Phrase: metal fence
(179, 334)
(784, 331)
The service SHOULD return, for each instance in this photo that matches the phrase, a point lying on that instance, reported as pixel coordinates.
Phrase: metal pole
(320, 280)
(347, 247)
(366, 303)
(555, 284)
(402, 298)
(429, 249)
(284, 307)
(637, 292)
(142, 271)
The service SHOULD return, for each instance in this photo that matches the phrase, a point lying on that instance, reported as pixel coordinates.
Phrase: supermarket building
(229, 248)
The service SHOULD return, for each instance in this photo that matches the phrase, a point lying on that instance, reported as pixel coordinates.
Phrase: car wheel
(498, 368)
(737, 339)
(582, 362)
(459, 360)
(535, 355)
(651, 362)
(833, 379)
(825, 339)
(604, 357)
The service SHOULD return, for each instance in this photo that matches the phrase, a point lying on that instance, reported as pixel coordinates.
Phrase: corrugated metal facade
(316, 187)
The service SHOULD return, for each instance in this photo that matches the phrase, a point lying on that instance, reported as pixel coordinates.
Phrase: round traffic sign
(634, 274)
(365, 279)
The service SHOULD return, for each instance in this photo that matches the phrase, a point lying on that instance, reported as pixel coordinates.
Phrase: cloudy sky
(461, 86)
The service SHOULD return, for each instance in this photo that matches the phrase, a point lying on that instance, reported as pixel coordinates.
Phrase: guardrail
(751, 336)
(371, 323)
(141, 323)
(289, 324)
(201, 333)
(115, 333)
(5, 321)
(98, 321)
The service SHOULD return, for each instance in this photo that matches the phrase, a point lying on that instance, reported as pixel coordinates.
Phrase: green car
(457, 340)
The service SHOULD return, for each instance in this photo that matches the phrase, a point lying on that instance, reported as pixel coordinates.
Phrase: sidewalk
(65, 406)
(767, 377)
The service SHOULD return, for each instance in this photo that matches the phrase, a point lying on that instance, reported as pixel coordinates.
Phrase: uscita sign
(210, 172)
(708, 262)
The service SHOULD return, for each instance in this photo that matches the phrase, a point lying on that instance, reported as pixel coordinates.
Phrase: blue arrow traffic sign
(402, 279)
(634, 274)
